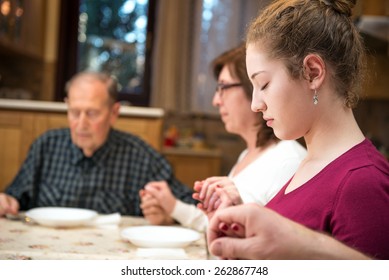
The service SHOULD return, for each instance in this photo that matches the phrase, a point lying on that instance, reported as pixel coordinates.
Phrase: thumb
(231, 248)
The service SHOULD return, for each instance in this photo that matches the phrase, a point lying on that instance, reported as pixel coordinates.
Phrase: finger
(196, 196)
(238, 229)
(232, 230)
(200, 206)
(150, 202)
(144, 194)
(231, 248)
(211, 202)
(218, 202)
(155, 219)
(210, 191)
(158, 185)
(232, 193)
(206, 184)
(154, 191)
(235, 214)
(14, 205)
(225, 199)
(161, 192)
(152, 211)
(4, 204)
(197, 186)
(203, 190)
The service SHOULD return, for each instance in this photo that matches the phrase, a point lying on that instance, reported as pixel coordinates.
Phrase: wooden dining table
(20, 240)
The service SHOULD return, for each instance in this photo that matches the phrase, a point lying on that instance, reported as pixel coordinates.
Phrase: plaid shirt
(56, 173)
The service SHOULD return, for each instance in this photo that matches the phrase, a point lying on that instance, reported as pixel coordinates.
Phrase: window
(112, 36)
(222, 25)
(190, 35)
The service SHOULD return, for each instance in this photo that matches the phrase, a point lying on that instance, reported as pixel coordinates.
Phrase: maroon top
(348, 199)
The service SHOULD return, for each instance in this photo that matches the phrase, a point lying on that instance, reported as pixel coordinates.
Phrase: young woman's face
(286, 103)
(233, 104)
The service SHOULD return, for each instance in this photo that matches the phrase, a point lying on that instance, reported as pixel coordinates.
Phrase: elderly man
(90, 164)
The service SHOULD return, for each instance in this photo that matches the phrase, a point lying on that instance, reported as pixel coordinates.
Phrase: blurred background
(160, 52)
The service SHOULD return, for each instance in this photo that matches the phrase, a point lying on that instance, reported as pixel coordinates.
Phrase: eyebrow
(256, 73)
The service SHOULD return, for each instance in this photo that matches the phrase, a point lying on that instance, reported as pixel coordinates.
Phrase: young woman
(305, 80)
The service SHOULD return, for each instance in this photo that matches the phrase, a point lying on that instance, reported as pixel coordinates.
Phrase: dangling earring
(315, 98)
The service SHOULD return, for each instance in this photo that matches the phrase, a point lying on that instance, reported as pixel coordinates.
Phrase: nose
(216, 99)
(82, 120)
(257, 103)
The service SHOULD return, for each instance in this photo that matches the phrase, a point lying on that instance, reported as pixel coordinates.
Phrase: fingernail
(235, 227)
(218, 186)
(224, 227)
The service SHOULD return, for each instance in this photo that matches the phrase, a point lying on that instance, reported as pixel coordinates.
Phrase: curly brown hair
(292, 29)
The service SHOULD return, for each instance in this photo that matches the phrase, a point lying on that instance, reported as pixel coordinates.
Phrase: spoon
(19, 217)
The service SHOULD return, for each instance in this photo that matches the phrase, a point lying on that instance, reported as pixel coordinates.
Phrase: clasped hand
(214, 193)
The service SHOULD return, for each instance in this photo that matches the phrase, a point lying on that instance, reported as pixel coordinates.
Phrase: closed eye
(265, 86)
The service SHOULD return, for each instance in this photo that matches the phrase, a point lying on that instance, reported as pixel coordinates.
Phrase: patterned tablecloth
(19, 240)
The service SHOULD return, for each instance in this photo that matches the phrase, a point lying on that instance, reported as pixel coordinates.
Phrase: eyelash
(264, 86)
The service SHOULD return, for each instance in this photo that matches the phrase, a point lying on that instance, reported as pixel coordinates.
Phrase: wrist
(171, 205)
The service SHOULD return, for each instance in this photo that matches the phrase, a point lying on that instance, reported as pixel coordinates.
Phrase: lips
(269, 121)
(266, 118)
(83, 135)
(223, 115)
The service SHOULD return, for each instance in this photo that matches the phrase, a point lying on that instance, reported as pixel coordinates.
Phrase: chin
(282, 135)
(285, 136)
(229, 130)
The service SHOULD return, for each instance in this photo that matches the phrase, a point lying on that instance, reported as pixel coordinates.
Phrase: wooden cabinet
(373, 23)
(377, 83)
(20, 127)
(30, 29)
(11, 146)
(191, 165)
(375, 7)
(29, 33)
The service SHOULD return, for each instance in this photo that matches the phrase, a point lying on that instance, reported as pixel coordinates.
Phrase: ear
(314, 70)
(115, 112)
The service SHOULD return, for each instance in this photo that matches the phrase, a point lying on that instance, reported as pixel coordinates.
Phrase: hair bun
(341, 6)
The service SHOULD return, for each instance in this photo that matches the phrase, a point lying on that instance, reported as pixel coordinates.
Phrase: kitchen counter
(47, 106)
(191, 152)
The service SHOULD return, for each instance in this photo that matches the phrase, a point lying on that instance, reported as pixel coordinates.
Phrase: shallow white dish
(61, 216)
(160, 236)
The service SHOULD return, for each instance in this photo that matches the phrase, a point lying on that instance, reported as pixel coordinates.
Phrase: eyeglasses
(221, 88)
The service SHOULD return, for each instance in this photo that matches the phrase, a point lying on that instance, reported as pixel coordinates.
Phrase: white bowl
(160, 236)
(61, 216)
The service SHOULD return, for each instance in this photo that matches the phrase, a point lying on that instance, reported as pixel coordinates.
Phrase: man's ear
(314, 70)
(115, 111)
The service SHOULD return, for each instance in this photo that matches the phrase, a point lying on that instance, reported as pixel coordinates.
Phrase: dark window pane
(115, 37)
(112, 38)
